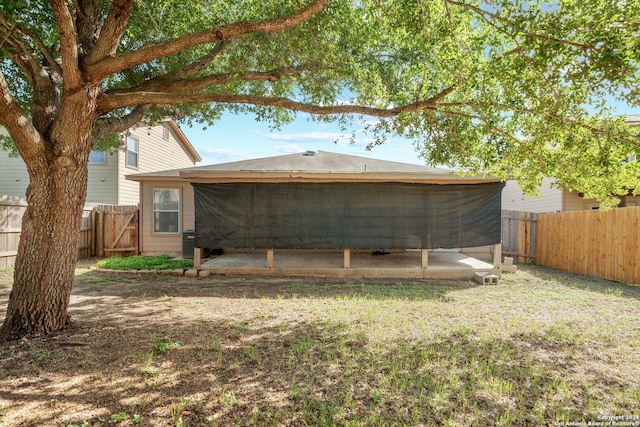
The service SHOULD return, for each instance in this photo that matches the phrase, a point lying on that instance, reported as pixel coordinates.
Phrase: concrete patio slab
(362, 264)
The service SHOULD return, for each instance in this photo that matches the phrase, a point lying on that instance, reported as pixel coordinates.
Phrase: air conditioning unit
(188, 243)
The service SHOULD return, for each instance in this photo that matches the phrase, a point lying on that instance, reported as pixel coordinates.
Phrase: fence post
(100, 234)
(93, 232)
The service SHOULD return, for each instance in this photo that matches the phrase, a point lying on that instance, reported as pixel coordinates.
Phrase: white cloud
(289, 149)
(307, 136)
(332, 138)
(211, 155)
(219, 151)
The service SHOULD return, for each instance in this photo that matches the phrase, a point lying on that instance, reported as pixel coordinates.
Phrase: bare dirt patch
(156, 350)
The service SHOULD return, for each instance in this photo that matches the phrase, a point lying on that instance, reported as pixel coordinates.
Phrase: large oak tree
(500, 86)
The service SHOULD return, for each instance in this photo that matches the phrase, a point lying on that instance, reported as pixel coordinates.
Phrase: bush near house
(139, 262)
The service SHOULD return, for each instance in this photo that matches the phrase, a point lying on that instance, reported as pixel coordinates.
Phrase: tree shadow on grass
(118, 366)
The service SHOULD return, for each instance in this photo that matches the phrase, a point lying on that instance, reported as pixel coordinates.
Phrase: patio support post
(197, 257)
(269, 258)
(497, 255)
(425, 258)
(347, 258)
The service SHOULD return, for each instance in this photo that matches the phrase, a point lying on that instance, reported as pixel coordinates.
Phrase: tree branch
(10, 29)
(68, 44)
(484, 13)
(110, 102)
(151, 51)
(28, 140)
(111, 31)
(18, 51)
(188, 70)
(163, 84)
(107, 125)
(45, 97)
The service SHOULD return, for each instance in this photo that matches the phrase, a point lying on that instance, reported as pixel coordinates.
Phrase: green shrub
(139, 262)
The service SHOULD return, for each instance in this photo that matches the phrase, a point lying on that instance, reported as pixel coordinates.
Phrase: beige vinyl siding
(14, 178)
(573, 202)
(154, 154)
(514, 199)
(102, 185)
(164, 243)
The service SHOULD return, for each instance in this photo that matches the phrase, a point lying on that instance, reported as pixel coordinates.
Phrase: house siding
(106, 181)
(155, 153)
(162, 243)
(573, 202)
(14, 178)
(514, 199)
(102, 184)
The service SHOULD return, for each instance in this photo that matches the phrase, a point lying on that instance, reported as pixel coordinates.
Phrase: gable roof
(184, 141)
(314, 166)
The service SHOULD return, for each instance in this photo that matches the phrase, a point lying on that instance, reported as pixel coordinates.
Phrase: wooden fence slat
(91, 237)
(595, 243)
(121, 233)
(518, 235)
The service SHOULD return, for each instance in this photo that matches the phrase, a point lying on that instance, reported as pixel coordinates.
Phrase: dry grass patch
(539, 348)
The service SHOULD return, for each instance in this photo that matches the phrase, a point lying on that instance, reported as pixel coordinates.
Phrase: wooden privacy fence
(11, 211)
(116, 230)
(519, 235)
(105, 230)
(594, 243)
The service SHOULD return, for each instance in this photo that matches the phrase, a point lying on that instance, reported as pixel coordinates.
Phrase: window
(96, 156)
(132, 151)
(165, 132)
(166, 210)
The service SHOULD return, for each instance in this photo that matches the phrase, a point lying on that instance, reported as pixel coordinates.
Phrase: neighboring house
(317, 200)
(551, 199)
(145, 149)
(556, 199)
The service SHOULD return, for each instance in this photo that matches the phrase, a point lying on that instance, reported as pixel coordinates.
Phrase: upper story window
(96, 156)
(132, 151)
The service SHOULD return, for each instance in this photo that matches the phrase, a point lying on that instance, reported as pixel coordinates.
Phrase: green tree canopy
(504, 87)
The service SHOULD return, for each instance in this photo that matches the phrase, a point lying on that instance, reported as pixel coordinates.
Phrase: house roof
(314, 166)
(633, 120)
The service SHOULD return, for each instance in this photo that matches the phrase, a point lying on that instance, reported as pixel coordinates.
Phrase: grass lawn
(540, 348)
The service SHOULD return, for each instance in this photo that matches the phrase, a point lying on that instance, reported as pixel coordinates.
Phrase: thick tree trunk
(47, 254)
(46, 260)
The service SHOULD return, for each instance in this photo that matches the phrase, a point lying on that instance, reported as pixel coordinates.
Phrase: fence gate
(519, 235)
(117, 230)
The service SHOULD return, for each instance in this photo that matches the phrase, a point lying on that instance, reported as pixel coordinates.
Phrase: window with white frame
(97, 156)
(132, 151)
(166, 210)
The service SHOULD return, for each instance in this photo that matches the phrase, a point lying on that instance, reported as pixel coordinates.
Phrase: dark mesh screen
(346, 215)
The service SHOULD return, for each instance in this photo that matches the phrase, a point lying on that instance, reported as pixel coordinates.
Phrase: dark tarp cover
(346, 215)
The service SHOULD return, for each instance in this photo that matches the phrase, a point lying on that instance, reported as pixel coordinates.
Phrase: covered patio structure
(327, 214)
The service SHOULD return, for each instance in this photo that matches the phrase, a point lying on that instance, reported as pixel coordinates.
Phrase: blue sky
(241, 137)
